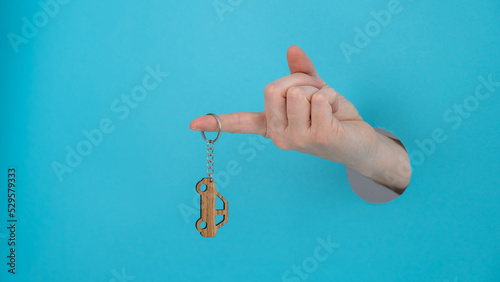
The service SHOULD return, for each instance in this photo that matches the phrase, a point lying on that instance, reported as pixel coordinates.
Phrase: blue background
(128, 207)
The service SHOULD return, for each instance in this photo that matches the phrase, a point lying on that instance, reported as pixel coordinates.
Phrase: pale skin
(304, 114)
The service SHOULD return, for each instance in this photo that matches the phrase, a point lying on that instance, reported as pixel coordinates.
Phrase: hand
(302, 113)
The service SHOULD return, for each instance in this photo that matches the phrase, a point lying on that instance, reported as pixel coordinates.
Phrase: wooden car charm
(207, 224)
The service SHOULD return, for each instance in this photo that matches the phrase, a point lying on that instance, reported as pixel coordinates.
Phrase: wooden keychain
(206, 188)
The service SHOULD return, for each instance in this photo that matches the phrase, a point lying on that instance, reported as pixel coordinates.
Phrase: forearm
(389, 166)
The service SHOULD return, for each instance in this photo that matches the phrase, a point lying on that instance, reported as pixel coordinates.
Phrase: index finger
(243, 122)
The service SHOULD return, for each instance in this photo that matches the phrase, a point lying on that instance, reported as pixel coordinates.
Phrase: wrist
(388, 165)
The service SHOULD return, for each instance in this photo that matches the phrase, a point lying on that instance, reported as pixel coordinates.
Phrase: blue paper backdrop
(126, 210)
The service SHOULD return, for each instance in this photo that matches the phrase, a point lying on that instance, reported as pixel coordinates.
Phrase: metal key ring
(218, 134)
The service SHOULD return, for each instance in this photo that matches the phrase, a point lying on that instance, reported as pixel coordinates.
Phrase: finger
(298, 107)
(296, 79)
(299, 62)
(275, 98)
(243, 122)
(322, 107)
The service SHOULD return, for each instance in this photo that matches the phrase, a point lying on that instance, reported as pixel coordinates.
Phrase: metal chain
(210, 158)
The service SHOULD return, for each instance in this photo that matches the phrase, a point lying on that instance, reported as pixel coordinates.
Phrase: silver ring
(218, 134)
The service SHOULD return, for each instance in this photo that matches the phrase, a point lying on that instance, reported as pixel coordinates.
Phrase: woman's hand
(304, 114)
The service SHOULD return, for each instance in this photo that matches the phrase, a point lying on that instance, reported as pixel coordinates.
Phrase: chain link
(210, 158)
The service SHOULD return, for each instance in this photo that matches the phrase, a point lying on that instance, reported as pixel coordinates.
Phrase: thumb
(250, 123)
(299, 62)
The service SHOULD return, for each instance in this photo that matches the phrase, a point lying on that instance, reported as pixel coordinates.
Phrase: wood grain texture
(207, 208)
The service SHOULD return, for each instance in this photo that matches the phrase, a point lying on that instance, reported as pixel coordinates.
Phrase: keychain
(206, 188)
